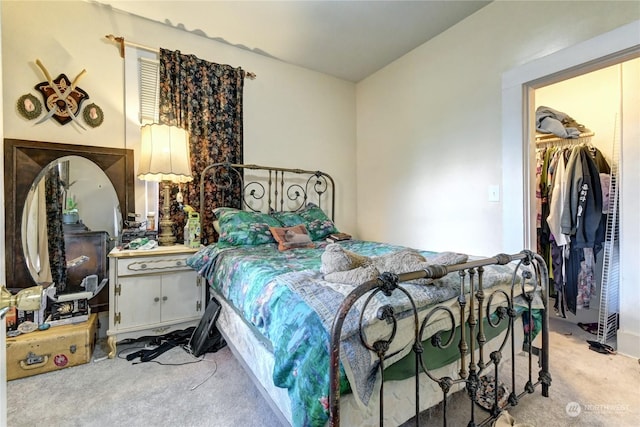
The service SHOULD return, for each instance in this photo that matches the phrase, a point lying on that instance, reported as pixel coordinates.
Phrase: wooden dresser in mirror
(24, 163)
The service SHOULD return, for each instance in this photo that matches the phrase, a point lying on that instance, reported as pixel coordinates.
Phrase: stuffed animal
(340, 265)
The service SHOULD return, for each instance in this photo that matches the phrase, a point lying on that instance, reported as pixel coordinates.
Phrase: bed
(372, 353)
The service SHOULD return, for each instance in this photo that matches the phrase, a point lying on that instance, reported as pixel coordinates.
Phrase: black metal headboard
(272, 189)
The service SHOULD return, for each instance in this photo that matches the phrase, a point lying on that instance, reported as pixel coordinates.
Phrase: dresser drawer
(150, 265)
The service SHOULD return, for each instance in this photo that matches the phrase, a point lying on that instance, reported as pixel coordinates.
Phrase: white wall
(293, 117)
(429, 124)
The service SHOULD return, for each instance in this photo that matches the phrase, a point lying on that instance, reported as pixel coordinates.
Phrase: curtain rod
(122, 43)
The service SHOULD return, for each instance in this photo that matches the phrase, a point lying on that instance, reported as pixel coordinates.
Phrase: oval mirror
(89, 205)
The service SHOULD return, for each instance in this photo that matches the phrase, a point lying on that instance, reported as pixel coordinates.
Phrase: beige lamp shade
(164, 154)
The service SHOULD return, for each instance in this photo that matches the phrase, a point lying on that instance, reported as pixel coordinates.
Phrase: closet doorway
(619, 46)
(593, 99)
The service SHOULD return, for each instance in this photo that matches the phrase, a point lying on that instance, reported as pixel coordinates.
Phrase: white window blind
(142, 89)
(149, 77)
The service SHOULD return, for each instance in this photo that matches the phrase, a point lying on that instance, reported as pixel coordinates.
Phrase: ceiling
(346, 39)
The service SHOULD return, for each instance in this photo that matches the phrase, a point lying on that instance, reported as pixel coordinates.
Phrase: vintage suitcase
(56, 348)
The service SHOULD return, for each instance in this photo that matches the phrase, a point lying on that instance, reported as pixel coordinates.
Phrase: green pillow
(245, 227)
(314, 219)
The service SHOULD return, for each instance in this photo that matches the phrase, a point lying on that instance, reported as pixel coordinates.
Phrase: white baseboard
(628, 343)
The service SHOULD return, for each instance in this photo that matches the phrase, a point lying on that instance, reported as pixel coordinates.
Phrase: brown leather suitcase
(51, 350)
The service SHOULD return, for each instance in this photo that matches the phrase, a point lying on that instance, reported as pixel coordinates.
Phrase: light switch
(494, 193)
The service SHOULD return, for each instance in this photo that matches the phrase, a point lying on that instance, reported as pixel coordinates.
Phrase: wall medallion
(29, 106)
(93, 115)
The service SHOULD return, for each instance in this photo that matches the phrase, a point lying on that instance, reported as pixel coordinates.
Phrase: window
(148, 81)
(142, 91)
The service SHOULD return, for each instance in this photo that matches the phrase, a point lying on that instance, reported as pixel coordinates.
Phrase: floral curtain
(205, 99)
(55, 232)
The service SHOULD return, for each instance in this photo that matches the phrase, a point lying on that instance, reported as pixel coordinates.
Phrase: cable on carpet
(215, 369)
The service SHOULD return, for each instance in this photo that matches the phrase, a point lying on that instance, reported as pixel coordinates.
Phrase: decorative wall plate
(29, 106)
(93, 115)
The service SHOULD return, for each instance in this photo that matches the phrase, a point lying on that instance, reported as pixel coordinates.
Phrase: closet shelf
(549, 138)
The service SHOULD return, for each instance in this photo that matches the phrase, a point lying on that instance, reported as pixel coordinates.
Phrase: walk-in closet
(578, 202)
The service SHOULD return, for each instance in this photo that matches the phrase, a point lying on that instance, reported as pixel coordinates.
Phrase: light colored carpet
(601, 390)
(116, 392)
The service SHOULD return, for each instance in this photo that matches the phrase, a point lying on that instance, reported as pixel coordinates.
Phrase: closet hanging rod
(552, 139)
(121, 41)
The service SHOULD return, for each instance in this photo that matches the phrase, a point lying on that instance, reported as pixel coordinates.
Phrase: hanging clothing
(586, 282)
(572, 226)
(545, 188)
(582, 210)
(557, 198)
(570, 288)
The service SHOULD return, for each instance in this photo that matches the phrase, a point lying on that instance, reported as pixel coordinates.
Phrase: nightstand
(152, 292)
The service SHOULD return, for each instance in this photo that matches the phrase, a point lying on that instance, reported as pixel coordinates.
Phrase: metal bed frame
(284, 189)
(532, 280)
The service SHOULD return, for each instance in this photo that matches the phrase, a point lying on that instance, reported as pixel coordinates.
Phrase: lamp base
(166, 237)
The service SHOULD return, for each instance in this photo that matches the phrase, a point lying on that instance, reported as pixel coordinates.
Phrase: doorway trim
(518, 128)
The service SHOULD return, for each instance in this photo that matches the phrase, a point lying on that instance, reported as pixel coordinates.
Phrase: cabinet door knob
(156, 299)
(164, 298)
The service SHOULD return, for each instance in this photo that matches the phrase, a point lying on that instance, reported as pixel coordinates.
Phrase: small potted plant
(70, 213)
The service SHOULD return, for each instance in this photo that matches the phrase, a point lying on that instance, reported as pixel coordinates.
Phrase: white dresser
(152, 292)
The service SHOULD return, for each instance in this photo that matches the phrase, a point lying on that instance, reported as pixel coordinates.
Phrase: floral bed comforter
(282, 294)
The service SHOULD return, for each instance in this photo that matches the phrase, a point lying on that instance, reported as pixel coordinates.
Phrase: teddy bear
(340, 265)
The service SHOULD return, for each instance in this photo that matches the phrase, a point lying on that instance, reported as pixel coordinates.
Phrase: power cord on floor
(215, 369)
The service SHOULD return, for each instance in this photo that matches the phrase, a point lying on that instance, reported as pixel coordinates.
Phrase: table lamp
(164, 157)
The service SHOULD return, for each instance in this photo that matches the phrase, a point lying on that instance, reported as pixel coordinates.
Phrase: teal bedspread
(283, 296)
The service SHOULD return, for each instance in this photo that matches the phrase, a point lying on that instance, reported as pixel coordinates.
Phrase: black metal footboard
(478, 310)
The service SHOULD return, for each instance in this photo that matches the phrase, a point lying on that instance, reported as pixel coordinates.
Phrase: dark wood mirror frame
(23, 161)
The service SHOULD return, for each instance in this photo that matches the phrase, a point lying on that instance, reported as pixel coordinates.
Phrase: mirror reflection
(70, 219)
